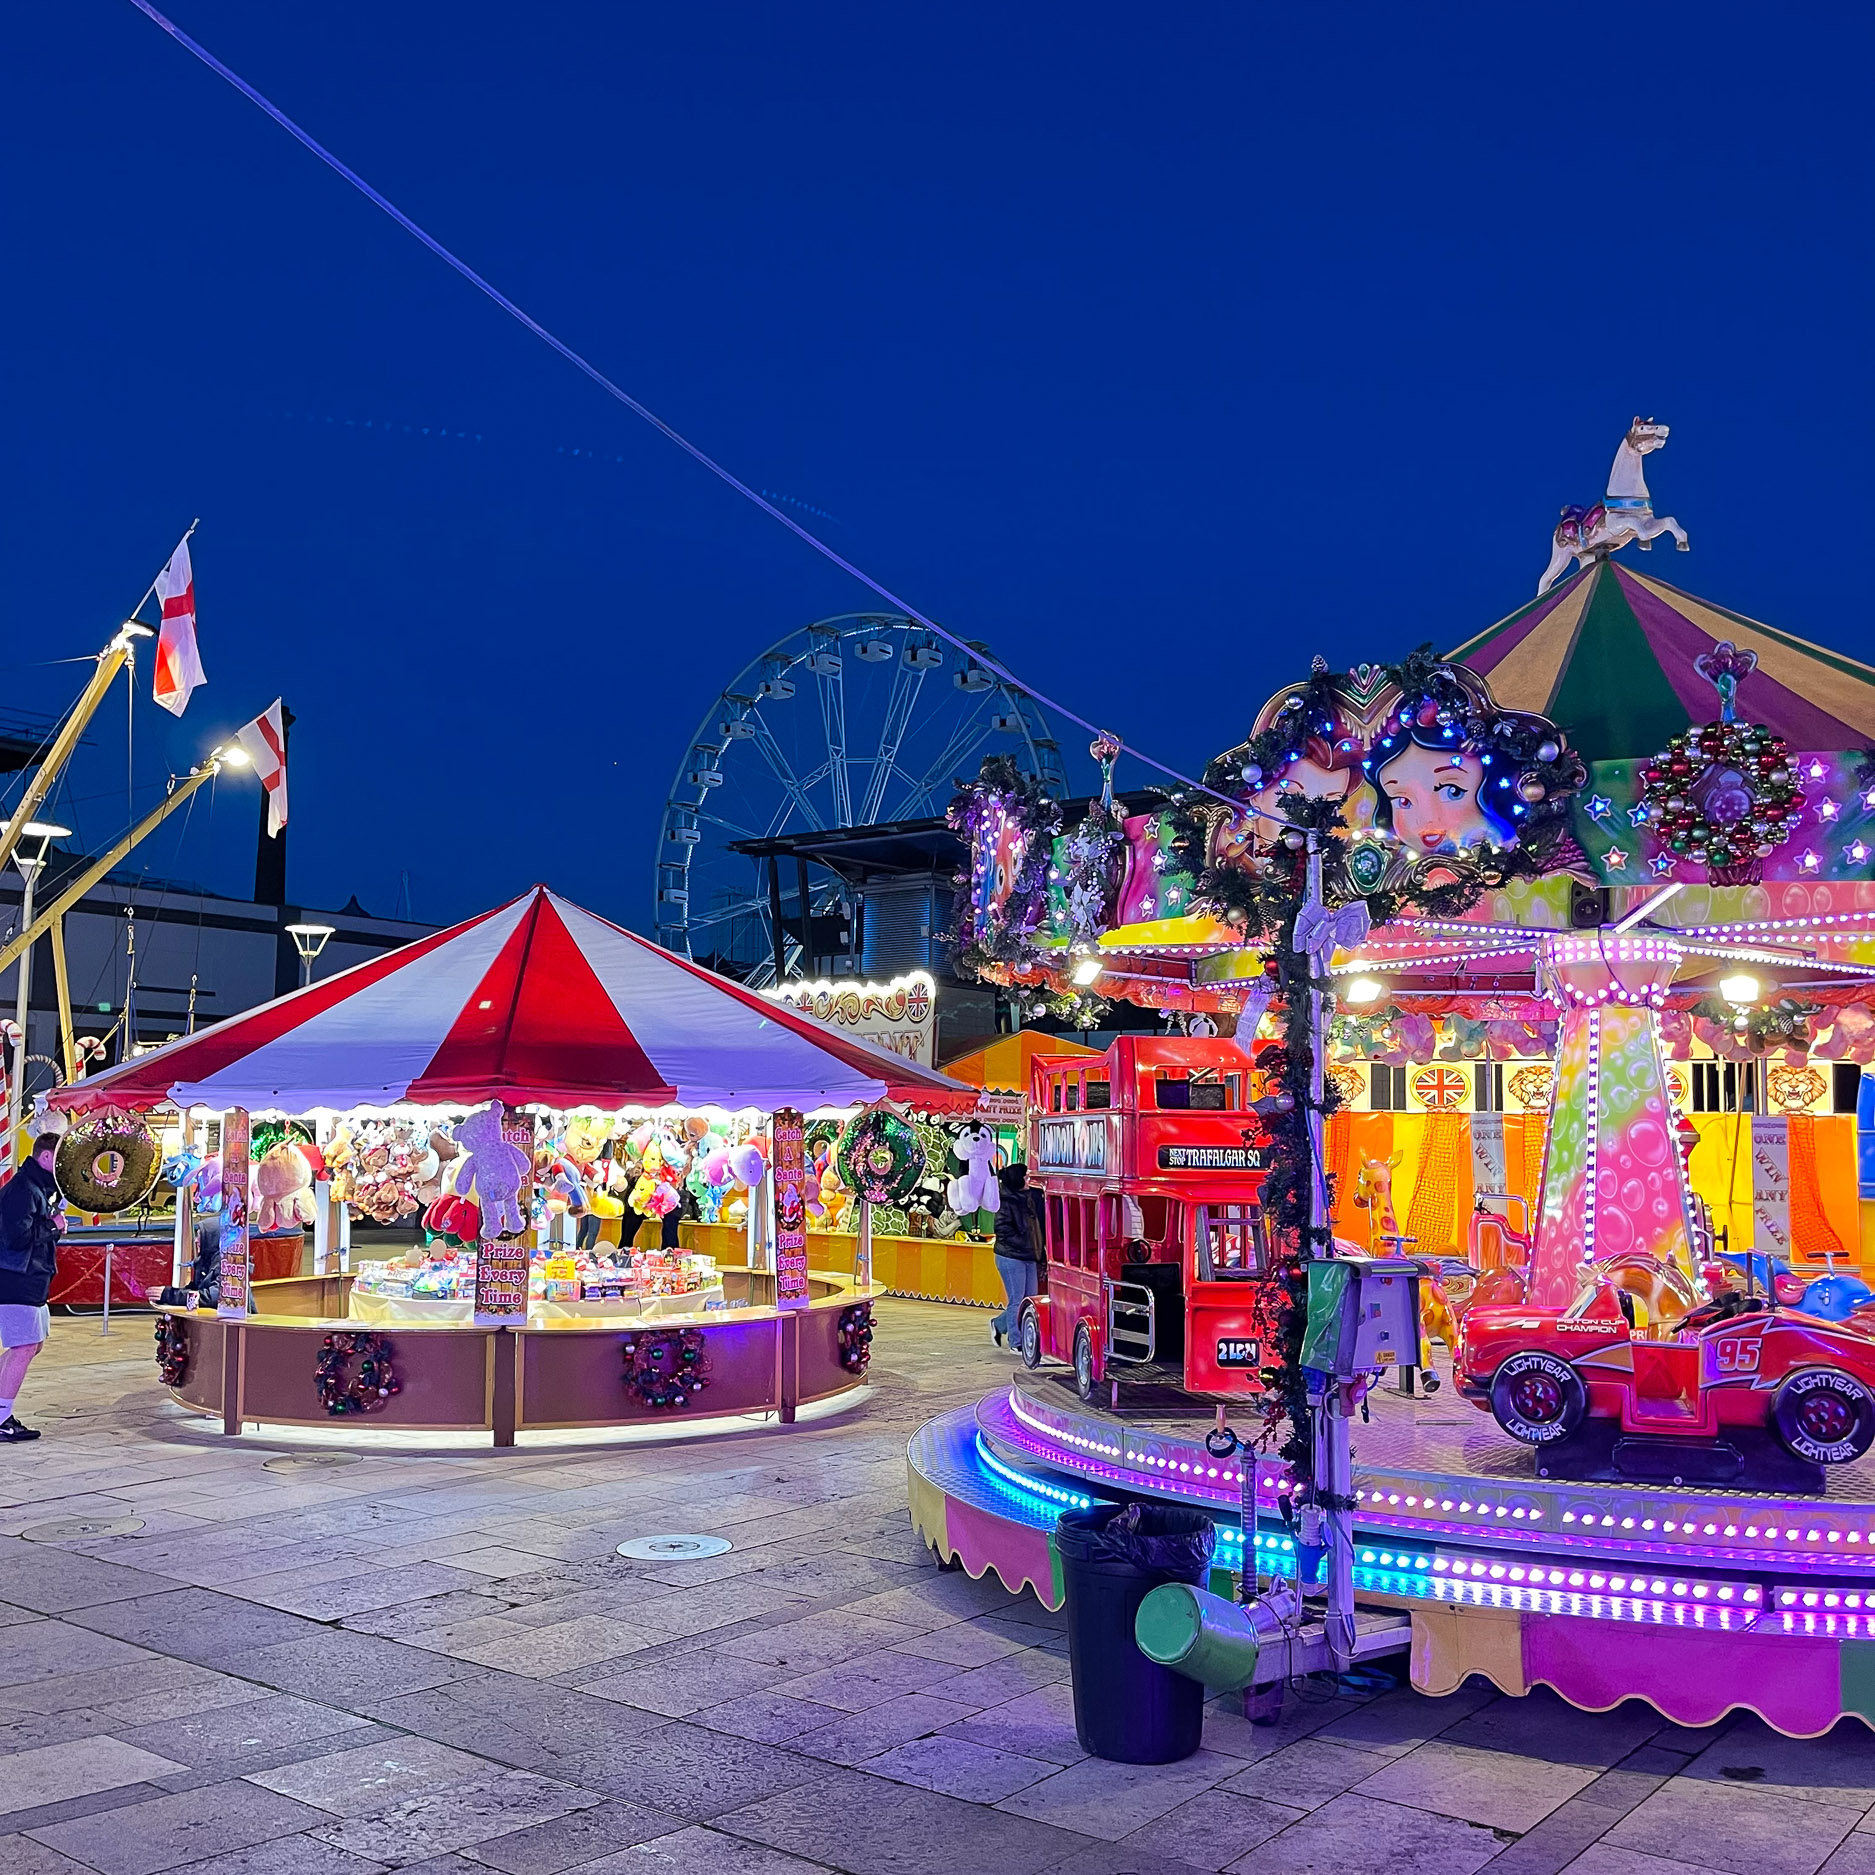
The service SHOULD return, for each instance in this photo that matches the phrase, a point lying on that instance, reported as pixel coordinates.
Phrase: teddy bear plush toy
(495, 1169)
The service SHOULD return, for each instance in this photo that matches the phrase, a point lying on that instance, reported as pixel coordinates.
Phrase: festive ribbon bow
(1321, 932)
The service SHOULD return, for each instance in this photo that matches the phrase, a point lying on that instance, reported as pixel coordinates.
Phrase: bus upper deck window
(1099, 1094)
(1074, 1096)
(1054, 1096)
(1173, 1096)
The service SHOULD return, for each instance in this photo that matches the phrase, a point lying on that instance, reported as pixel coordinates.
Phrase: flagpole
(183, 542)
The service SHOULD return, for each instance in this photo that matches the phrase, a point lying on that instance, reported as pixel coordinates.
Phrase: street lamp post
(30, 863)
(309, 940)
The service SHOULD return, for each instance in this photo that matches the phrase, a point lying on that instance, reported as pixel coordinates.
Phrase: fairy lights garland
(172, 1350)
(665, 1368)
(369, 1389)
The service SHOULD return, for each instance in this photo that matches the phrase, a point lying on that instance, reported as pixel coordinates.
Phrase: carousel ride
(1627, 1454)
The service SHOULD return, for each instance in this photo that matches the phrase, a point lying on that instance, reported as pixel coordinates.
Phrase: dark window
(1488, 1081)
(1386, 1087)
(1054, 1096)
(1074, 1096)
(1174, 1096)
(1725, 1086)
(1845, 1088)
(1099, 1094)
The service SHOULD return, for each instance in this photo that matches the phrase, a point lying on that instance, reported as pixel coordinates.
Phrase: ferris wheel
(851, 721)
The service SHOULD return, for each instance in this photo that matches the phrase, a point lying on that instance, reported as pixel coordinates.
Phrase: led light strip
(1072, 1500)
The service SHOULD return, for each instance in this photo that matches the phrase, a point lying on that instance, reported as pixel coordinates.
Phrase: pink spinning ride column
(1612, 1181)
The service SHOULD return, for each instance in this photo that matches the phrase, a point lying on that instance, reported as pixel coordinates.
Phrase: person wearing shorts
(30, 1223)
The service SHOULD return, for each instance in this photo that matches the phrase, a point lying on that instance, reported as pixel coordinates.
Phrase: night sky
(1159, 348)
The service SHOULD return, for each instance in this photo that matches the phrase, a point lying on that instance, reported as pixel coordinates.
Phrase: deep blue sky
(1159, 348)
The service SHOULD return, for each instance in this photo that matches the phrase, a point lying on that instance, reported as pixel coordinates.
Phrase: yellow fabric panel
(1848, 697)
(1449, 1644)
(1721, 1172)
(1528, 677)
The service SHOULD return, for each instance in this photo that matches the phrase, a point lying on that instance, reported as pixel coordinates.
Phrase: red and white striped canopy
(539, 1001)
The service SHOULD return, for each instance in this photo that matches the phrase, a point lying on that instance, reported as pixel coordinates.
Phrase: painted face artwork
(1433, 798)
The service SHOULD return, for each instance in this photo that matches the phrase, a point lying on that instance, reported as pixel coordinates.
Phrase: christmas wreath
(880, 1157)
(340, 1390)
(1723, 795)
(172, 1350)
(665, 1369)
(856, 1337)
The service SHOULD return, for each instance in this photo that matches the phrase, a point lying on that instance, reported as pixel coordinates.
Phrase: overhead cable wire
(638, 409)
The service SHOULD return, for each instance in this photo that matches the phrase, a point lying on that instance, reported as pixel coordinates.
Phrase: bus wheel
(1084, 1381)
(1029, 1337)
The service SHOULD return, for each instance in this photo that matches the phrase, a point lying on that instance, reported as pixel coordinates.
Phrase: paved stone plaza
(440, 1664)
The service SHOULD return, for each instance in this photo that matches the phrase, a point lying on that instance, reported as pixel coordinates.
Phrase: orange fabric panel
(1370, 1136)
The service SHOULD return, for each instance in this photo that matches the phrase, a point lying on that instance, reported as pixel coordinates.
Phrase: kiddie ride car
(1739, 1391)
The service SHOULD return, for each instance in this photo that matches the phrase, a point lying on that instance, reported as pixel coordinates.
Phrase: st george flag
(178, 662)
(264, 739)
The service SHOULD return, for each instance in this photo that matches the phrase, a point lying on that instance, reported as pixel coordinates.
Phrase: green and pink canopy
(1609, 653)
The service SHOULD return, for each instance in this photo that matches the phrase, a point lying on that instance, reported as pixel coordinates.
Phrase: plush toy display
(281, 1180)
(975, 1188)
(495, 1171)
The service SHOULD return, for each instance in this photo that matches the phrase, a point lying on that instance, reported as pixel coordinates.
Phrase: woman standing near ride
(1018, 1249)
(30, 1224)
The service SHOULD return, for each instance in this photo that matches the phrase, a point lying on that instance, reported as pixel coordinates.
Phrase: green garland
(341, 1391)
(1002, 791)
(880, 1156)
(666, 1370)
(172, 1350)
(855, 1337)
(1768, 1026)
(1762, 810)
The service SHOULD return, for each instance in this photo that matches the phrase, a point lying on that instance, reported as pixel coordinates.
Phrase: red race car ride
(1735, 1362)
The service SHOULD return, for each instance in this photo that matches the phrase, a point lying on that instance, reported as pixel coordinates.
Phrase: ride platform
(1696, 1598)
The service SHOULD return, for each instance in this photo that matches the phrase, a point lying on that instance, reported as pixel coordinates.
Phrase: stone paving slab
(440, 1665)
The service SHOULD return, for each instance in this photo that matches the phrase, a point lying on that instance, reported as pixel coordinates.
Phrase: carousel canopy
(538, 1001)
(1608, 653)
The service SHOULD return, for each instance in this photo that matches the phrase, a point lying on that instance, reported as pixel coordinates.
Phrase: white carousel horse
(1626, 513)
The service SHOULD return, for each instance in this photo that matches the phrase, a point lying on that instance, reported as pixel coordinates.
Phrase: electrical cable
(632, 404)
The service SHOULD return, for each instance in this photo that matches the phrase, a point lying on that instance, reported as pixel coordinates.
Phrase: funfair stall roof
(538, 1001)
(1609, 653)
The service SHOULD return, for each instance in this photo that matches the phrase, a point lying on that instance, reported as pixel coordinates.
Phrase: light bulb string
(582, 364)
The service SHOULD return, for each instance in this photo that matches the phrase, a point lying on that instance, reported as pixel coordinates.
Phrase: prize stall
(512, 1111)
(1538, 982)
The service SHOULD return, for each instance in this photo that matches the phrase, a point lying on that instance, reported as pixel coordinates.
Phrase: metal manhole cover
(673, 1548)
(67, 1528)
(310, 1461)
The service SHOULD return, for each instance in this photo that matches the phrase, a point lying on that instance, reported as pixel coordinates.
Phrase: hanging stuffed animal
(975, 1188)
(283, 1175)
(495, 1170)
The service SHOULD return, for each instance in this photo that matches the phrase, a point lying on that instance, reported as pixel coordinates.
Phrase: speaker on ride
(1588, 905)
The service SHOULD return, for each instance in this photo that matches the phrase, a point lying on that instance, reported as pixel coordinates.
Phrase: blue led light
(1073, 1500)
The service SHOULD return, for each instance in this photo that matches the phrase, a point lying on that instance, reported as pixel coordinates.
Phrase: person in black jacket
(1019, 1249)
(30, 1223)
